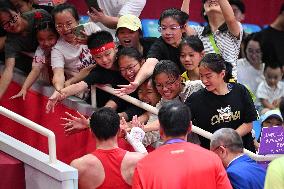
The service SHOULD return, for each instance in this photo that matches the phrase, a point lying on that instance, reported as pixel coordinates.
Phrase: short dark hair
(216, 63)
(272, 66)
(104, 123)
(166, 66)
(65, 6)
(174, 117)
(99, 39)
(6, 6)
(45, 25)
(178, 15)
(131, 52)
(238, 3)
(193, 42)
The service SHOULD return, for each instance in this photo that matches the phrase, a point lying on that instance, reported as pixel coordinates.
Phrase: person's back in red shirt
(181, 166)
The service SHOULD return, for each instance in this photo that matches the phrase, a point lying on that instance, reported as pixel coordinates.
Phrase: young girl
(172, 24)
(223, 34)
(191, 53)
(70, 55)
(20, 37)
(46, 37)
(222, 104)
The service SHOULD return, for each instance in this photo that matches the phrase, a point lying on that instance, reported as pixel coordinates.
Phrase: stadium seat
(84, 19)
(150, 28)
(251, 28)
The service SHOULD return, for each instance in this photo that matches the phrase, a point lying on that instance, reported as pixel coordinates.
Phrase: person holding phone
(106, 14)
(70, 55)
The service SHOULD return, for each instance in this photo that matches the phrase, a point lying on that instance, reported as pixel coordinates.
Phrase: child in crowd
(129, 63)
(191, 53)
(172, 24)
(129, 34)
(269, 119)
(46, 37)
(222, 104)
(270, 91)
(250, 69)
(70, 55)
(223, 34)
(168, 82)
(20, 37)
(103, 51)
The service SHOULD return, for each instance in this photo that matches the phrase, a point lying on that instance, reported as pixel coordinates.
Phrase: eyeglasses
(60, 27)
(254, 51)
(163, 29)
(168, 85)
(128, 68)
(12, 20)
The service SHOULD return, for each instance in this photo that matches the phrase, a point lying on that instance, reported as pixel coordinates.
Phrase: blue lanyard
(174, 140)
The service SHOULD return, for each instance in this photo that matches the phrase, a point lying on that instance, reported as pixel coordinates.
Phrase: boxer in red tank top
(108, 166)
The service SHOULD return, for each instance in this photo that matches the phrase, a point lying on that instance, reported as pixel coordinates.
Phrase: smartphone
(94, 4)
(77, 31)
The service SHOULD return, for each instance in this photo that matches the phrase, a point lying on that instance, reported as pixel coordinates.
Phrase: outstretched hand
(22, 93)
(126, 89)
(53, 100)
(74, 124)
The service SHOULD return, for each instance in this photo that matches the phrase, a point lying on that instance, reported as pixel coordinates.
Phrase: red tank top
(111, 161)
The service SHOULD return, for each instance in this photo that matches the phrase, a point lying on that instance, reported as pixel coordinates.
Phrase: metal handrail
(35, 127)
(195, 129)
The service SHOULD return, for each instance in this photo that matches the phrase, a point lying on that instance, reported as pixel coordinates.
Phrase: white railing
(35, 127)
(195, 129)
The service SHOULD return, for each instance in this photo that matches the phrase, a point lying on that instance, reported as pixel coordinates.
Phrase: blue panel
(257, 128)
(150, 28)
(192, 23)
(84, 19)
(251, 28)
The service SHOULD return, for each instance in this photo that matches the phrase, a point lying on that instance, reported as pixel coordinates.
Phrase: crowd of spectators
(214, 76)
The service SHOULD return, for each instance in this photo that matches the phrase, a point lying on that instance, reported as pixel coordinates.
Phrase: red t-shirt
(111, 160)
(181, 166)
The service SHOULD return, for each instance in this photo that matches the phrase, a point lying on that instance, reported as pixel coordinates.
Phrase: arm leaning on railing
(195, 129)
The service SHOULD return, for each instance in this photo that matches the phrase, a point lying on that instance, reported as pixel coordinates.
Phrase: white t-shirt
(248, 75)
(117, 8)
(227, 43)
(72, 58)
(266, 92)
(41, 60)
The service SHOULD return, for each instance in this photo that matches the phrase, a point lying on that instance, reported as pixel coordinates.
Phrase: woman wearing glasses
(172, 24)
(20, 37)
(70, 55)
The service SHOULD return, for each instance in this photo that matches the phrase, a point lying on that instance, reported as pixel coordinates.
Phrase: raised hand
(74, 124)
(127, 89)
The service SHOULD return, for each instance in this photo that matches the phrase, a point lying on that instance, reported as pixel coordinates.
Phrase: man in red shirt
(108, 166)
(179, 164)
